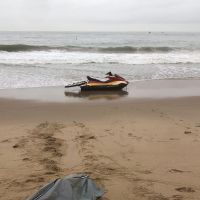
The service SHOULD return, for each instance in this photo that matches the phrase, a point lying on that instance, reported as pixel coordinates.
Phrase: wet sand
(135, 148)
(136, 90)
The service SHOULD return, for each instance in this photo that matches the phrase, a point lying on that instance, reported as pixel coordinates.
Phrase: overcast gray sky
(100, 15)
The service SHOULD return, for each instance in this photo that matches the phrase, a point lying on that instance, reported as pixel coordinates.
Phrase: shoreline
(135, 148)
(151, 89)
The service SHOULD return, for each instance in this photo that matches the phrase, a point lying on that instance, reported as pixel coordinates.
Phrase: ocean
(38, 59)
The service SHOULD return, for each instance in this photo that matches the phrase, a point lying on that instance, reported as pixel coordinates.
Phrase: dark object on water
(113, 82)
(72, 187)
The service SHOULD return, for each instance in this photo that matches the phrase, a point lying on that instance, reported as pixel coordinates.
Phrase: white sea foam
(23, 76)
(63, 57)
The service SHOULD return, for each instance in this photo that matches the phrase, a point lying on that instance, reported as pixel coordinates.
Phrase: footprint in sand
(198, 125)
(87, 137)
(21, 143)
(174, 138)
(79, 124)
(177, 197)
(177, 171)
(4, 141)
(134, 136)
(185, 189)
(130, 134)
(35, 180)
(187, 132)
(144, 171)
(16, 146)
(26, 159)
(109, 131)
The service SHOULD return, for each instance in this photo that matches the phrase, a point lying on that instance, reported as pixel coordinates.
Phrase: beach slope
(135, 149)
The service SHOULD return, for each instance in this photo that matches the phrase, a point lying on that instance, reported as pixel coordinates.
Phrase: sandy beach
(137, 147)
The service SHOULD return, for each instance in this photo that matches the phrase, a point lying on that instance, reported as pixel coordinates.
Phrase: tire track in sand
(108, 172)
(41, 152)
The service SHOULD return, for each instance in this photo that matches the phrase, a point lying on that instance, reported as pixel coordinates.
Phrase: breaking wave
(65, 57)
(24, 47)
(119, 49)
(129, 49)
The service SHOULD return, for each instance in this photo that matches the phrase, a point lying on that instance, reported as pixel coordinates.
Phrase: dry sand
(144, 149)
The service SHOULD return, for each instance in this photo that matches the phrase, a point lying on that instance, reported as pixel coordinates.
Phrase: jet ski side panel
(103, 87)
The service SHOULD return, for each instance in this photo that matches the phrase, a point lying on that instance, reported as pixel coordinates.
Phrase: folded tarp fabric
(72, 187)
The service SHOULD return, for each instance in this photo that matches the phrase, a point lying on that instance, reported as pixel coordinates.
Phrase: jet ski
(114, 82)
